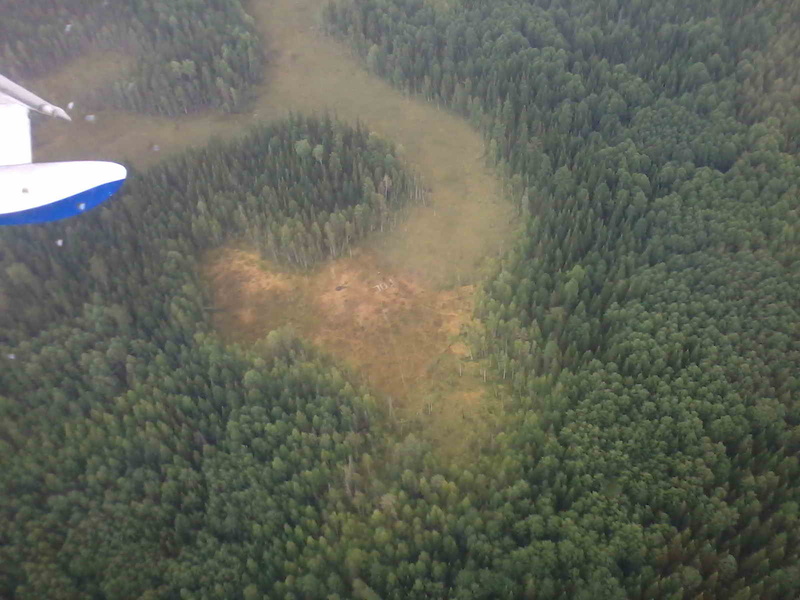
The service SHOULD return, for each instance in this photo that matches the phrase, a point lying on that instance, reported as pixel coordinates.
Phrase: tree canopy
(188, 55)
(645, 320)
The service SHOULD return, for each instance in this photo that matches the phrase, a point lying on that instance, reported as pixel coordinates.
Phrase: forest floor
(404, 339)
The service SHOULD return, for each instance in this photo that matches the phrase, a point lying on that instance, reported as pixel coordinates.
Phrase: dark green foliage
(189, 55)
(204, 461)
(140, 458)
(648, 314)
(138, 251)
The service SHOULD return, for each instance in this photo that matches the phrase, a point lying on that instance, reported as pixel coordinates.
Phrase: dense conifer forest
(127, 429)
(645, 320)
(188, 55)
(648, 315)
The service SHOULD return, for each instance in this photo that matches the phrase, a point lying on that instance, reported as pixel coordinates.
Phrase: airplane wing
(41, 192)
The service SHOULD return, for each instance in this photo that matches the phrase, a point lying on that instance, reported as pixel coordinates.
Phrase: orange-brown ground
(403, 337)
(384, 323)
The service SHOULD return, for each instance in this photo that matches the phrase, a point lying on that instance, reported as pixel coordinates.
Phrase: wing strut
(31, 100)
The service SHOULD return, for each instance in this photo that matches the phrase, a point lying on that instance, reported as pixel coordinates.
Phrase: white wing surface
(37, 193)
(41, 192)
(15, 132)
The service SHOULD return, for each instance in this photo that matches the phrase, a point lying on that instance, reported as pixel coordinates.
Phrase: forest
(189, 55)
(645, 321)
(128, 408)
(648, 313)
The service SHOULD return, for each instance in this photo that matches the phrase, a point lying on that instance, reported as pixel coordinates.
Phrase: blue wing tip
(64, 208)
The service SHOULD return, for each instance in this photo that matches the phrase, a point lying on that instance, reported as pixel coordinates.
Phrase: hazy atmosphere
(407, 299)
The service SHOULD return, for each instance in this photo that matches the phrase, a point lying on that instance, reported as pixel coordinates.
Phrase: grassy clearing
(402, 339)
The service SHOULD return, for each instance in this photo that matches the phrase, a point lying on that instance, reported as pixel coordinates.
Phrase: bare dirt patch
(252, 299)
(384, 322)
(402, 336)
